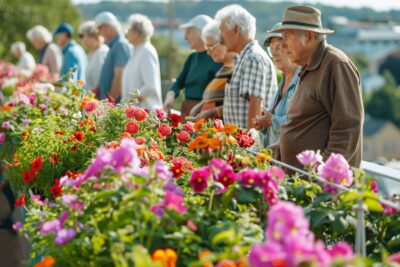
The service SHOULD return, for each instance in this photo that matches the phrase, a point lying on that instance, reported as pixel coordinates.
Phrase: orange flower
(215, 143)
(80, 82)
(46, 262)
(206, 254)
(230, 140)
(263, 157)
(229, 129)
(199, 124)
(5, 109)
(167, 257)
(199, 142)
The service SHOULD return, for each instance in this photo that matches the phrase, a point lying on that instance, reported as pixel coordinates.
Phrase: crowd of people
(317, 104)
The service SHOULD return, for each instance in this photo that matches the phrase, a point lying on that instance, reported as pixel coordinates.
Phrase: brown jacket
(326, 113)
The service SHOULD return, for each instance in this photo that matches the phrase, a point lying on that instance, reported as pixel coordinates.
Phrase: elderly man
(326, 112)
(25, 59)
(73, 54)
(253, 81)
(117, 57)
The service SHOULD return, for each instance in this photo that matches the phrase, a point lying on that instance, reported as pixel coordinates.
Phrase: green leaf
(318, 217)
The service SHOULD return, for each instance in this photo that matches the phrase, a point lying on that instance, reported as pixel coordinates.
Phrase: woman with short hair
(50, 54)
(25, 59)
(94, 44)
(142, 72)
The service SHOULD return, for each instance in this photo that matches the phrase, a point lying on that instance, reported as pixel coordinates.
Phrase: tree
(18, 16)
(385, 102)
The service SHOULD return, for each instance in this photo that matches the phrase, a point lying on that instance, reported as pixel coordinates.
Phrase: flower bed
(108, 185)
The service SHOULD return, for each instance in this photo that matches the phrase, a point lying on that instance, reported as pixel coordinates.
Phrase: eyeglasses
(213, 46)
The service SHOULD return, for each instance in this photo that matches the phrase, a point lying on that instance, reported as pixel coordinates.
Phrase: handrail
(382, 171)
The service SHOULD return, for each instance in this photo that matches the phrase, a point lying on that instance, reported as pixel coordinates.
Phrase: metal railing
(374, 169)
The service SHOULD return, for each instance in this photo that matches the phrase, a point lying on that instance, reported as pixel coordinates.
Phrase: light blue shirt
(118, 55)
(74, 56)
(279, 117)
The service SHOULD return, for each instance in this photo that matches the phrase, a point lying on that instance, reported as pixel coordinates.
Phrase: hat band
(302, 24)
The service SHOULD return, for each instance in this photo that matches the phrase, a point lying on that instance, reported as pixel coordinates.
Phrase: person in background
(272, 119)
(50, 55)
(142, 71)
(94, 44)
(119, 54)
(213, 96)
(253, 81)
(25, 59)
(198, 70)
(326, 112)
(73, 54)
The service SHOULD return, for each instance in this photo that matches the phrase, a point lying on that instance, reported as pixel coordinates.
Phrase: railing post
(360, 246)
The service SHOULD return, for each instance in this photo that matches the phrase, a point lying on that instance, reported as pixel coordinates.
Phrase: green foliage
(18, 16)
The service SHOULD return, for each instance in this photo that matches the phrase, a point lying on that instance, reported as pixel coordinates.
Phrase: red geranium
(130, 112)
(244, 139)
(56, 190)
(140, 140)
(132, 127)
(79, 136)
(54, 159)
(36, 164)
(164, 129)
(177, 169)
(20, 202)
(183, 137)
(140, 114)
(175, 119)
(28, 177)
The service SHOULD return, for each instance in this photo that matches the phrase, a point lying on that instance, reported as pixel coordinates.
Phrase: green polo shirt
(198, 71)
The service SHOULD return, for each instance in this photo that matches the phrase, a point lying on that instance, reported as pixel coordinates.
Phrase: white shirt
(26, 61)
(142, 72)
(95, 63)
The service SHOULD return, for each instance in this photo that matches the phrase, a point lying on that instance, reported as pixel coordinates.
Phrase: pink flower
(189, 127)
(71, 200)
(247, 177)
(43, 107)
(270, 192)
(164, 129)
(24, 99)
(276, 172)
(199, 178)
(337, 170)
(225, 263)
(2, 138)
(130, 112)
(183, 137)
(91, 106)
(173, 201)
(160, 113)
(267, 255)
(394, 258)
(5, 125)
(64, 236)
(309, 158)
(374, 186)
(17, 226)
(341, 249)
(219, 125)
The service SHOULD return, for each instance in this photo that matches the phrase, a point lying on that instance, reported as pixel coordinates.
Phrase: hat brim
(271, 35)
(186, 25)
(304, 28)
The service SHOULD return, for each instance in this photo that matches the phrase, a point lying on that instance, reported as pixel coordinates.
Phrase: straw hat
(271, 34)
(302, 18)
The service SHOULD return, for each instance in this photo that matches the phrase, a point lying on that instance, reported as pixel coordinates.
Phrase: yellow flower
(167, 257)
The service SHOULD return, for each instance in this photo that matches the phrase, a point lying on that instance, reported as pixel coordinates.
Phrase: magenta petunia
(64, 236)
(337, 170)
(199, 178)
(267, 255)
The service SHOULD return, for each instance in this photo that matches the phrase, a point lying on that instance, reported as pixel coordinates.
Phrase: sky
(375, 4)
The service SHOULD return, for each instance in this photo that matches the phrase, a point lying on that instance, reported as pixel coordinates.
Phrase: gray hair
(211, 30)
(318, 36)
(142, 25)
(89, 28)
(18, 47)
(237, 15)
(39, 33)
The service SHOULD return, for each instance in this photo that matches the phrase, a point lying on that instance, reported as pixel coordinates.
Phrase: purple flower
(337, 170)
(174, 202)
(63, 111)
(341, 249)
(267, 255)
(199, 178)
(102, 159)
(5, 125)
(158, 209)
(309, 158)
(25, 122)
(72, 201)
(17, 226)
(43, 107)
(162, 171)
(2, 138)
(172, 187)
(64, 236)
(52, 226)
(285, 221)
(39, 201)
(24, 99)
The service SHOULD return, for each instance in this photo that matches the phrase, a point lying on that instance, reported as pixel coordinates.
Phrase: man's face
(62, 39)
(292, 42)
(193, 37)
(228, 37)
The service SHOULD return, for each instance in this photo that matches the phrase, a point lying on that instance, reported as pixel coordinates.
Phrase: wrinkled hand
(169, 101)
(263, 121)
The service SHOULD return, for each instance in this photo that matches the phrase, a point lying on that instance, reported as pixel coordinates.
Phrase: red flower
(74, 148)
(183, 137)
(175, 119)
(125, 135)
(177, 169)
(244, 139)
(91, 106)
(79, 136)
(140, 114)
(20, 202)
(140, 140)
(36, 164)
(132, 127)
(54, 159)
(130, 112)
(28, 177)
(72, 174)
(164, 129)
(56, 191)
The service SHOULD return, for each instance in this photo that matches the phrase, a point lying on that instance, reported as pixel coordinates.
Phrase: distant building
(381, 140)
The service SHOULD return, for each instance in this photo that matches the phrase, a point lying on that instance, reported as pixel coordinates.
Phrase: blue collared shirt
(74, 56)
(279, 117)
(118, 56)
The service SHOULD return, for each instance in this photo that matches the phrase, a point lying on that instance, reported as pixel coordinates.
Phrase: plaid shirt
(253, 75)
